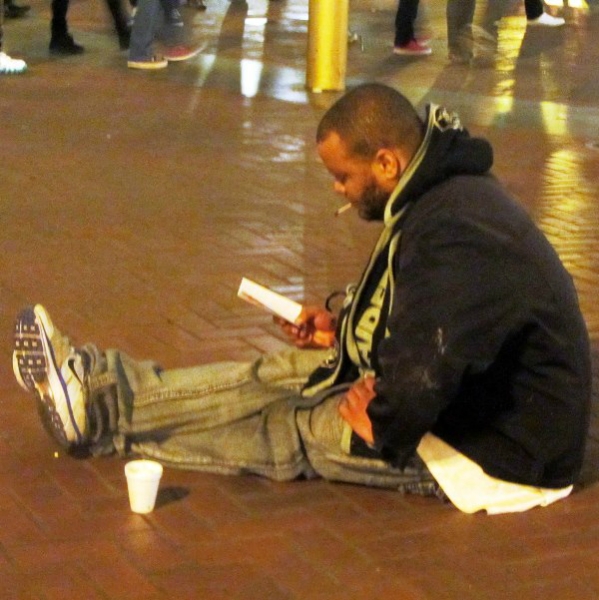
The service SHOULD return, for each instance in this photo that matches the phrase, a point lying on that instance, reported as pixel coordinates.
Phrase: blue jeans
(155, 18)
(234, 418)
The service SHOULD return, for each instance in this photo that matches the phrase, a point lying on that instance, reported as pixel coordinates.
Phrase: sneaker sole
(12, 71)
(59, 52)
(36, 370)
(410, 53)
(147, 66)
(187, 56)
(28, 360)
(537, 24)
(181, 58)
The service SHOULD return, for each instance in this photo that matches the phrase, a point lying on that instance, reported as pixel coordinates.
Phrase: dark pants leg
(172, 33)
(171, 11)
(460, 14)
(494, 11)
(1, 22)
(407, 12)
(155, 18)
(119, 16)
(58, 26)
(147, 20)
(533, 8)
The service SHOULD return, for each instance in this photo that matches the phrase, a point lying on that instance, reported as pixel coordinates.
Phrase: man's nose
(339, 188)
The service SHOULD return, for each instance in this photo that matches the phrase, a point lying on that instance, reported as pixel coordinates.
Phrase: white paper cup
(143, 478)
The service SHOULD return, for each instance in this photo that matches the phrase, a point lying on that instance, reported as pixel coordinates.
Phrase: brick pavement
(132, 204)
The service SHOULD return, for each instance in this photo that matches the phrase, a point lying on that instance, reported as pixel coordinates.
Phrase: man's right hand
(314, 328)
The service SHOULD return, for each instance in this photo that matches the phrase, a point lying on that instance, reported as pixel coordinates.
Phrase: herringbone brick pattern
(133, 203)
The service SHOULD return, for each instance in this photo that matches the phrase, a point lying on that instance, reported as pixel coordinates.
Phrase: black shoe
(15, 11)
(65, 45)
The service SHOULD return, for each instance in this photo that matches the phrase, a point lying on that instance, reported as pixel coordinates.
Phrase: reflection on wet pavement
(132, 204)
(537, 99)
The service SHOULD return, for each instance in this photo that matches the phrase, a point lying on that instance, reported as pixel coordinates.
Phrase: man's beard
(371, 206)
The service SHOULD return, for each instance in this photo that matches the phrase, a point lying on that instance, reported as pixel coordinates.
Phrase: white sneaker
(10, 66)
(546, 20)
(45, 363)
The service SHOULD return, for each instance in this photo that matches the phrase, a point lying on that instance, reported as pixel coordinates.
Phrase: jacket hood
(446, 150)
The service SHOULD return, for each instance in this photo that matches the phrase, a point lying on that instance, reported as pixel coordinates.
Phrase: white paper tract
(257, 294)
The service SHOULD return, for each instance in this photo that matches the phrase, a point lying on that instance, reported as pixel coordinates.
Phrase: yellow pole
(327, 45)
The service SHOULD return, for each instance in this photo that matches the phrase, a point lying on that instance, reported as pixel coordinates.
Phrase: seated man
(460, 362)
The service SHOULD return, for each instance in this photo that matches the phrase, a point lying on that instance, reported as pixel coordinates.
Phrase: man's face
(354, 178)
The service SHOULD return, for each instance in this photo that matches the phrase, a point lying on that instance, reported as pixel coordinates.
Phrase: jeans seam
(160, 396)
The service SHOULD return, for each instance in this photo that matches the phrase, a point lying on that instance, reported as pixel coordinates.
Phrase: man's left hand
(353, 407)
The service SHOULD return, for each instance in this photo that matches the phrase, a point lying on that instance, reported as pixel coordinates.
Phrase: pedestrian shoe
(182, 52)
(546, 20)
(412, 48)
(45, 364)
(11, 66)
(15, 11)
(155, 62)
(65, 45)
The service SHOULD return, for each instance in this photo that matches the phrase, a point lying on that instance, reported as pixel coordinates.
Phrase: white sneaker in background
(546, 20)
(11, 66)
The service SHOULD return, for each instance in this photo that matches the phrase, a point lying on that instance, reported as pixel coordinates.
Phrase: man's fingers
(325, 321)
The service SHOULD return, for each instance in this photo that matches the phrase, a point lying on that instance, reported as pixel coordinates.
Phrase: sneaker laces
(76, 365)
(99, 385)
(84, 367)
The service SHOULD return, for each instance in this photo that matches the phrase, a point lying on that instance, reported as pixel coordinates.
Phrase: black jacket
(479, 338)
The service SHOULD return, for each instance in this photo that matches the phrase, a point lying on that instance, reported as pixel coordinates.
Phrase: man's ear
(388, 167)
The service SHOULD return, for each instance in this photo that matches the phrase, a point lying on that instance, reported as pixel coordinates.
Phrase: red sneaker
(412, 48)
(175, 53)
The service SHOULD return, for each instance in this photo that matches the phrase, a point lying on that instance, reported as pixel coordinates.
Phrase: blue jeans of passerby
(155, 19)
(235, 418)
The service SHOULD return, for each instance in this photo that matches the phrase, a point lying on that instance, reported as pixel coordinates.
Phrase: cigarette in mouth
(343, 209)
